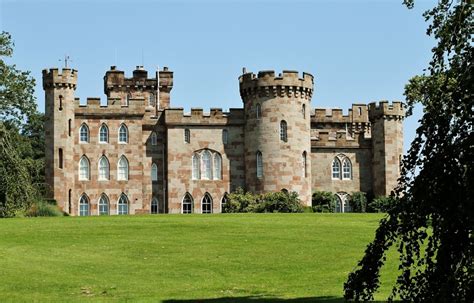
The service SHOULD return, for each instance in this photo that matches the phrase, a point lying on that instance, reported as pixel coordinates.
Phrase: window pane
(283, 131)
(154, 172)
(217, 167)
(123, 134)
(259, 165)
(207, 204)
(207, 165)
(196, 166)
(336, 169)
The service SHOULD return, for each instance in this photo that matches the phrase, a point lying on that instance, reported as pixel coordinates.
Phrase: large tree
(431, 222)
(21, 136)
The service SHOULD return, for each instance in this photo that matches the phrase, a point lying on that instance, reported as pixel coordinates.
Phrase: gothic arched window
(259, 165)
(84, 169)
(104, 168)
(336, 169)
(123, 134)
(104, 134)
(154, 172)
(103, 205)
(283, 131)
(84, 133)
(206, 165)
(122, 168)
(217, 167)
(122, 205)
(346, 169)
(187, 204)
(196, 167)
(153, 139)
(84, 206)
(206, 204)
(154, 206)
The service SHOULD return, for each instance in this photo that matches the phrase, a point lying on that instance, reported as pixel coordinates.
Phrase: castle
(137, 154)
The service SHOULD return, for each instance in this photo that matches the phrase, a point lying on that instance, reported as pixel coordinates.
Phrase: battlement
(115, 80)
(358, 113)
(136, 107)
(216, 116)
(287, 83)
(384, 109)
(54, 77)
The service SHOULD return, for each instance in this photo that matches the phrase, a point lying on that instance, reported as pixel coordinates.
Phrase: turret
(387, 145)
(116, 85)
(277, 132)
(59, 87)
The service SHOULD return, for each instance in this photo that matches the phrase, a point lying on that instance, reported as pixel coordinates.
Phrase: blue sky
(358, 51)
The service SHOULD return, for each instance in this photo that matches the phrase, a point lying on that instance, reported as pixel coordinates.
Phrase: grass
(181, 258)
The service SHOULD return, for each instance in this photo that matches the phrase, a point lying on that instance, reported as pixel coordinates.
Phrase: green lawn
(178, 258)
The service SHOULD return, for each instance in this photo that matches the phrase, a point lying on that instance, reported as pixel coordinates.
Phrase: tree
(323, 201)
(431, 220)
(21, 136)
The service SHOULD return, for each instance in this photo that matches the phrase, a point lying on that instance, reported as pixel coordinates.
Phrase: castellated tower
(387, 145)
(277, 132)
(59, 87)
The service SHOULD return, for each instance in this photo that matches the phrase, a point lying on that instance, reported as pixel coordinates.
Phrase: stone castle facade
(137, 154)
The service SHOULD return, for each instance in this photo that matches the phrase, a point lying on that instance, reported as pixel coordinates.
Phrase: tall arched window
(187, 135)
(206, 165)
(346, 169)
(339, 205)
(196, 167)
(187, 205)
(122, 169)
(224, 201)
(259, 165)
(303, 110)
(153, 139)
(84, 133)
(154, 172)
(123, 134)
(304, 164)
(336, 169)
(104, 168)
(151, 99)
(258, 114)
(122, 205)
(283, 131)
(103, 205)
(84, 205)
(217, 167)
(225, 136)
(206, 204)
(103, 134)
(154, 206)
(84, 171)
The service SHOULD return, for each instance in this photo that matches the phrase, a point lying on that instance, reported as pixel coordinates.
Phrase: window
(259, 165)
(69, 202)
(123, 134)
(84, 205)
(339, 207)
(303, 110)
(304, 164)
(122, 171)
(206, 204)
(217, 167)
(207, 165)
(154, 172)
(360, 111)
(60, 155)
(346, 169)
(151, 99)
(224, 201)
(103, 134)
(258, 114)
(283, 131)
(153, 139)
(84, 173)
(104, 171)
(69, 127)
(187, 136)
(196, 167)
(187, 206)
(122, 208)
(225, 136)
(103, 205)
(154, 206)
(127, 101)
(60, 102)
(336, 169)
(84, 133)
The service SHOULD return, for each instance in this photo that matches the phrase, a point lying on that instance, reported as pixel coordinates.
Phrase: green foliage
(358, 202)
(381, 204)
(246, 202)
(43, 209)
(323, 202)
(432, 221)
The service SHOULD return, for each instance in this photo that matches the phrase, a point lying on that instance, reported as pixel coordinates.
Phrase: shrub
(380, 204)
(279, 202)
(323, 202)
(43, 209)
(358, 202)
(240, 202)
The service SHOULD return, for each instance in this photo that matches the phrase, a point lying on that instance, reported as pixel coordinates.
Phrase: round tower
(59, 87)
(277, 132)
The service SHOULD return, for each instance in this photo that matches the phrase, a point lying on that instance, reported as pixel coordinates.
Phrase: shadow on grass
(327, 299)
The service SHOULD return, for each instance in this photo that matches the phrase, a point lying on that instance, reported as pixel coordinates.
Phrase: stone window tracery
(122, 205)
(104, 134)
(123, 134)
(187, 204)
(154, 206)
(206, 204)
(341, 161)
(206, 165)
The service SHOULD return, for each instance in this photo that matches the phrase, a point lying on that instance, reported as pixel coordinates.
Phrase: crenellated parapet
(176, 116)
(115, 80)
(386, 110)
(287, 84)
(55, 78)
(93, 107)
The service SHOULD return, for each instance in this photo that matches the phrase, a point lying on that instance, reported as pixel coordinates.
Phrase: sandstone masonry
(137, 154)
